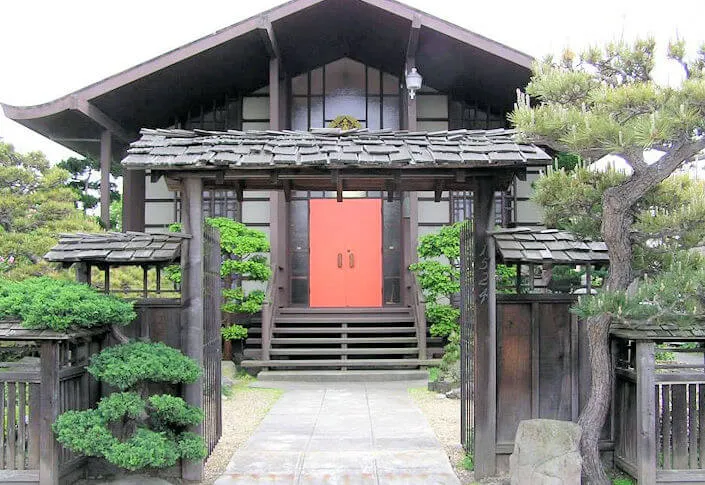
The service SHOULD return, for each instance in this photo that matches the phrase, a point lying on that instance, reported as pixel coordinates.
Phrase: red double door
(346, 253)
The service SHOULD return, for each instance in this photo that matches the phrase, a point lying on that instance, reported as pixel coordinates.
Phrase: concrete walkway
(342, 434)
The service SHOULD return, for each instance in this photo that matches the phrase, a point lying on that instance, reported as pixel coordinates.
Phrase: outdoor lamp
(413, 82)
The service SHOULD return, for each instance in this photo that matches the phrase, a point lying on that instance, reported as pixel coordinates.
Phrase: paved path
(342, 434)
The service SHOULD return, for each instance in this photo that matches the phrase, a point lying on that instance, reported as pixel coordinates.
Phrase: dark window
(461, 207)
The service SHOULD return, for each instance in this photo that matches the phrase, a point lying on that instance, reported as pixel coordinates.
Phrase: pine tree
(605, 102)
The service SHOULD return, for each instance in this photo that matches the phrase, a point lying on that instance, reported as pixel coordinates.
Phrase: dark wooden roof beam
(268, 38)
(105, 121)
(413, 44)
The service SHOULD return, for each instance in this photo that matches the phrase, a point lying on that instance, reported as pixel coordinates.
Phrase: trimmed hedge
(48, 304)
(124, 366)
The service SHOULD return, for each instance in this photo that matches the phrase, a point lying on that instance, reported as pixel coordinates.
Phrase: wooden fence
(660, 416)
(542, 367)
(33, 392)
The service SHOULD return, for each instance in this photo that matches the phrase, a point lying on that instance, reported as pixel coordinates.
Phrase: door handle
(340, 260)
(351, 257)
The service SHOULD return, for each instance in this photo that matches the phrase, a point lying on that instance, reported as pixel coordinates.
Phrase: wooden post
(105, 159)
(485, 330)
(192, 292)
(133, 193)
(50, 401)
(645, 413)
(274, 115)
(83, 273)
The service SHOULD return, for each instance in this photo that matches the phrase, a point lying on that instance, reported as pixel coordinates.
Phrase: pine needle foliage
(48, 304)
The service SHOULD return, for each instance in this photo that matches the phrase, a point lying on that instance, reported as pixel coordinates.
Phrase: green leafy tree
(438, 272)
(604, 102)
(36, 206)
(85, 181)
(243, 259)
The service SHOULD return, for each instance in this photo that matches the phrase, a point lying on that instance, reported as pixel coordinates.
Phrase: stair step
(323, 330)
(339, 319)
(342, 363)
(361, 351)
(342, 375)
(343, 340)
(344, 311)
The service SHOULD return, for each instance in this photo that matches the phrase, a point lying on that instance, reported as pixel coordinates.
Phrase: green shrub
(468, 462)
(234, 332)
(152, 432)
(123, 366)
(45, 303)
(172, 412)
(119, 405)
(146, 448)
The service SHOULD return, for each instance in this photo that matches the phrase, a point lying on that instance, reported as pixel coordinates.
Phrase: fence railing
(659, 414)
(33, 392)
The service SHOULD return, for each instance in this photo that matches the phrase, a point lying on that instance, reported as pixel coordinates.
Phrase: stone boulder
(546, 452)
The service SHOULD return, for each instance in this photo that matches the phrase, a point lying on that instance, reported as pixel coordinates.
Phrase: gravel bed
(443, 415)
(243, 410)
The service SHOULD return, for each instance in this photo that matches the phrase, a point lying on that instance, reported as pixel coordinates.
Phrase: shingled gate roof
(176, 149)
(535, 245)
(117, 248)
(658, 331)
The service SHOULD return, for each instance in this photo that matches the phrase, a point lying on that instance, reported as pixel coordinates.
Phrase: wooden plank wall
(541, 365)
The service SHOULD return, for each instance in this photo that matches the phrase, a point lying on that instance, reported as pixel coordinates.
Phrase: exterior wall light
(413, 82)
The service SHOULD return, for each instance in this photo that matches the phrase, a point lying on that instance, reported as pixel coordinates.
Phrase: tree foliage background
(36, 205)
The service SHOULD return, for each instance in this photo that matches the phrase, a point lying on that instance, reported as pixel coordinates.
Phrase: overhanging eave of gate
(333, 159)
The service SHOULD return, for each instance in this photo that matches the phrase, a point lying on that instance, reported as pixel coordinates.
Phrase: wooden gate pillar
(646, 413)
(192, 298)
(485, 329)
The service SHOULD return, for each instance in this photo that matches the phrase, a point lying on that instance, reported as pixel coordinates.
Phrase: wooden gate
(212, 347)
(466, 336)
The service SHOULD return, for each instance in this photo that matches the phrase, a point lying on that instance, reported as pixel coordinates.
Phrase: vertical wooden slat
(701, 423)
(575, 369)
(535, 349)
(659, 420)
(667, 425)
(49, 455)
(646, 419)
(692, 426)
(34, 437)
(3, 433)
(680, 426)
(21, 425)
(10, 418)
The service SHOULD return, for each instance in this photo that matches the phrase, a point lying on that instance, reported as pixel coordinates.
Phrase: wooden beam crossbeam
(91, 111)
(413, 44)
(268, 38)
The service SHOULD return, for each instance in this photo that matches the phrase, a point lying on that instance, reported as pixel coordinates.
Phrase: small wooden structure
(659, 407)
(34, 392)
(189, 320)
(530, 353)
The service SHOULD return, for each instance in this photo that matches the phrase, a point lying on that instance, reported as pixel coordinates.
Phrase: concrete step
(343, 340)
(342, 376)
(336, 363)
(363, 351)
(344, 310)
(340, 319)
(337, 330)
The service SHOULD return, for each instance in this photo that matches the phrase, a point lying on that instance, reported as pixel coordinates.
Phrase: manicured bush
(124, 366)
(46, 303)
(131, 431)
(234, 332)
(173, 412)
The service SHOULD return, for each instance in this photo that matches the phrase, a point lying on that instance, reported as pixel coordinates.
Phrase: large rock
(546, 452)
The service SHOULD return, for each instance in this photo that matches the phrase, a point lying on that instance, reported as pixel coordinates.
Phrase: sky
(49, 49)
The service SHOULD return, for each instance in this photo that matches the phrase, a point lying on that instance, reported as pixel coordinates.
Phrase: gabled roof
(539, 245)
(331, 148)
(303, 34)
(118, 248)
